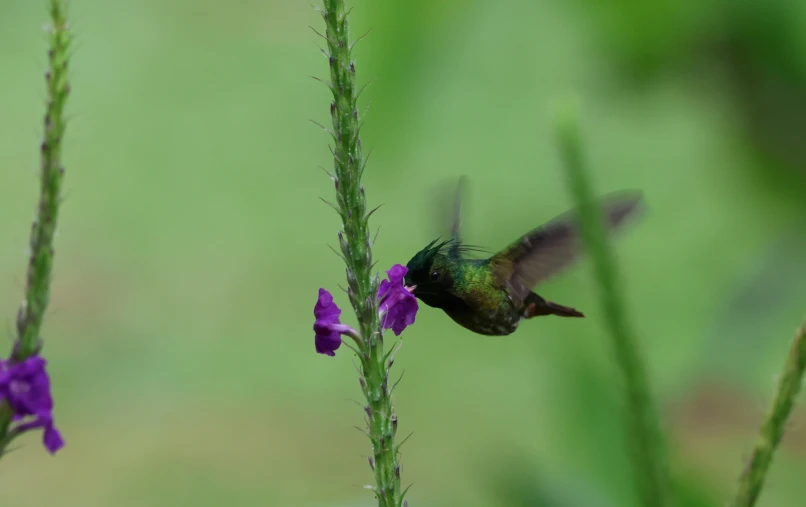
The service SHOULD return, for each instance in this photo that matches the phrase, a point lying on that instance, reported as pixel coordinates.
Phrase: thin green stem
(649, 455)
(355, 244)
(40, 264)
(752, 479)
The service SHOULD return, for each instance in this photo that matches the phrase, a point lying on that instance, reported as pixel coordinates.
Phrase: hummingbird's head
(429, 277)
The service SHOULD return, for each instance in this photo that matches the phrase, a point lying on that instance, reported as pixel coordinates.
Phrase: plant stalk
(647, 444)
(40, 263)
(355, 244)
(752, 479)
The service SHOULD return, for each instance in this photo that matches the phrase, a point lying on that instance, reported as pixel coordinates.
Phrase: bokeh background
(192, 243)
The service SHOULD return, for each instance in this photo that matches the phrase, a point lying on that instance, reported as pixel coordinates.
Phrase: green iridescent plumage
(492, 296)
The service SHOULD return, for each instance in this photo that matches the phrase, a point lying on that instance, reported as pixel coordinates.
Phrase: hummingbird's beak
(410, 288)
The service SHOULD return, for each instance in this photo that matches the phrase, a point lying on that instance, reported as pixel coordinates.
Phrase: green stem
(752, 479)
(356, 249)
(40, 264)
(649, 456)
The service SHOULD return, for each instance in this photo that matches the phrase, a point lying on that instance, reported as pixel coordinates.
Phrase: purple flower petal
(398, 305)
(383, 288)
(52, 439)
(327, 328)
(406, 313)
(325, 309)
(26, 388)
(327, 343)
(396, 273)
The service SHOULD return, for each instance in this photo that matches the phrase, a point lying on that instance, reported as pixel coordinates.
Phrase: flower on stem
(25, 387)
(398, 306)
(327, 327)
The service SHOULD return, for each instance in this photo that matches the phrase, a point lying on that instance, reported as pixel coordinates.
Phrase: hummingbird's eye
(435, 276)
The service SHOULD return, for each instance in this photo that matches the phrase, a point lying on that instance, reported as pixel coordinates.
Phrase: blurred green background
(192, 243)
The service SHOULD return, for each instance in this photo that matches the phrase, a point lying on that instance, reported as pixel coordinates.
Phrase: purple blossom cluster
(397, 309)
(398, 306)
(25, 386)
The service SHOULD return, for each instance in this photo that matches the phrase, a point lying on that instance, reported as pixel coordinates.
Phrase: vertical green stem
(649, 456)
(752, 479)
(356, 248)
(40, 264)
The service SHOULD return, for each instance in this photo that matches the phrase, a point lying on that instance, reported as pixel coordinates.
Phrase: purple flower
(25, 387)
(398, 306)
(327, 327)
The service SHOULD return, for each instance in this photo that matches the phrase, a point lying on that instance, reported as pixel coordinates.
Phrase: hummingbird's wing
(454, 250)
(446, 205)
(554, 246)
(448, 198)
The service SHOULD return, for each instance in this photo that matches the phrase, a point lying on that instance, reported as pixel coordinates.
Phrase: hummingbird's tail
(536, 306)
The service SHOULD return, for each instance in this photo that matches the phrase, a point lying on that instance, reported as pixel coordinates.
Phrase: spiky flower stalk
(40, 264)
(649, 456)
(355, 244)
(752, 479)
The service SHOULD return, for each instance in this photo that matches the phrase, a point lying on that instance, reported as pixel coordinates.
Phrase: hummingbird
(492, 296)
